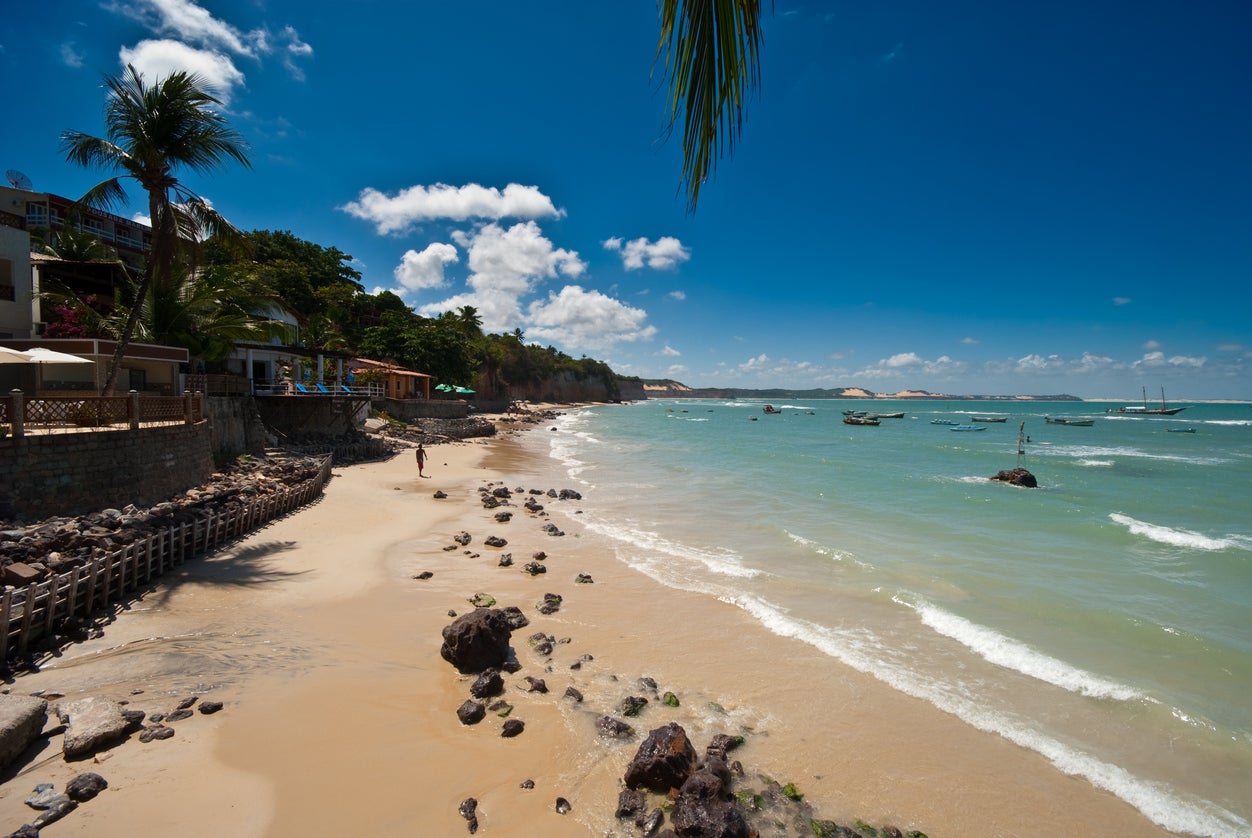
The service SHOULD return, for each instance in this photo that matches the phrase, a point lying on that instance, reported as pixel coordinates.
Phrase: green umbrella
(464, 391)
(444, 388)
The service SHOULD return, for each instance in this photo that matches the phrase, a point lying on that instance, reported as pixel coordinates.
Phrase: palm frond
(711, 51)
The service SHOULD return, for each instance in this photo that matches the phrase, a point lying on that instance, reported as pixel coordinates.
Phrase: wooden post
(133, 410)
(6, 610)
(17, 411)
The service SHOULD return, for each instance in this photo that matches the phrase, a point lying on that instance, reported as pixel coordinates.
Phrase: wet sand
(340, 715)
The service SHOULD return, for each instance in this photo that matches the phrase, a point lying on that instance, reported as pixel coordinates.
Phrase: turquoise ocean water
(1103, 619)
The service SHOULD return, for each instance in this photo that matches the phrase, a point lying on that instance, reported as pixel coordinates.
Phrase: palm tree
(152, 132)
(712, 63)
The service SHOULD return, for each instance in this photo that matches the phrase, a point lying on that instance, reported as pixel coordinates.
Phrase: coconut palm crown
(152, 132)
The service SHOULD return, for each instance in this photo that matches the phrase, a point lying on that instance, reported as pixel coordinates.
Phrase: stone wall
(408, 410)
(236, 426)
(305, 419)
(43, 475)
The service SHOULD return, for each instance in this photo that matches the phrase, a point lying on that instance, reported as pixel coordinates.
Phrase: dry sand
(340, 717)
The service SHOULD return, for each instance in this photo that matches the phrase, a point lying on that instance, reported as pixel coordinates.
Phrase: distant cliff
(670, 389)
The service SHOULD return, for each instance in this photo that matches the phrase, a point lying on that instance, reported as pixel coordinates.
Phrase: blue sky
(957, 197)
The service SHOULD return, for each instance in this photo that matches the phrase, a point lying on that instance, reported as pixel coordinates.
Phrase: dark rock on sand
(156, 732)
(424, 575)
(469, 810)
(534, 568)
(462, 538)
(471, 712)
(631, 803)
(705, 806)
(614, 728)
(512, 727)
(441, 494)
(652, 824)
(495, 541)
(722, 744)
(506, 560)
(550, 605)
(1017, 477)
(583, 579)
(24, 831)
(569, 494)
(489, 683)
(562, 806)
(632, 705)
(85, 786)
(664, 760)
(515, 617)
(477, 641)
(535, 685)
(571, 692)
(504, 517)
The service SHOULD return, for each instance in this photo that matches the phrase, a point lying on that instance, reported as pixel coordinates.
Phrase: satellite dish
(18, 180)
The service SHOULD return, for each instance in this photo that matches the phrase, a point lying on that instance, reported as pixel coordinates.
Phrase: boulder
(477, 641)
(22, 719)
(85, 786)
(487, 684)
(664, 760)
(705, 806)
(1017, 477)
(93, 723)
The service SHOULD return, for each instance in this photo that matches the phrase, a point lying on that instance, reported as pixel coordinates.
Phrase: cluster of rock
(435, 431)
(31, 552)
(87, 726)
(704, 796)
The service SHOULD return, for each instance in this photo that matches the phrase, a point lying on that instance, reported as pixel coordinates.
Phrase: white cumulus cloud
(155, 60)
(665, 252)
(417, 204)
(582, 319)
(417, 271)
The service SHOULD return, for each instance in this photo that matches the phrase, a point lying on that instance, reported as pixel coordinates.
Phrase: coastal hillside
(669, 389)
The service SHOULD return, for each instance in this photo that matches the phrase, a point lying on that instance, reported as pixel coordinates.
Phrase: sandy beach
(340, 715)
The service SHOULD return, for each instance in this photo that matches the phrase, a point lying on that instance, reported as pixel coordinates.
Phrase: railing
(70, 414)
(29, 613)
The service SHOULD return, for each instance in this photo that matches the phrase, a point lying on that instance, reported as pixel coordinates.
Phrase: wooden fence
(29, 613)
(21, 414)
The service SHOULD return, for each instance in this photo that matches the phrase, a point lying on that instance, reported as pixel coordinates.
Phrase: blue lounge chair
(346, 389)
(321, 388)
(301, 388)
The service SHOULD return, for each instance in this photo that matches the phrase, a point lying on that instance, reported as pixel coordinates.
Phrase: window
(7, 291)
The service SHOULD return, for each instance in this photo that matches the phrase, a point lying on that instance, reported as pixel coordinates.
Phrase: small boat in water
(944, 422)
(968, 428)
(859, 420)
(1066, 420)
(988, 418)
(769, 408)
(1136, 410)
(1181, 430)
(899, 415)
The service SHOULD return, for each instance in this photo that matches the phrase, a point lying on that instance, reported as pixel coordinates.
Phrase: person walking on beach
(421, 460)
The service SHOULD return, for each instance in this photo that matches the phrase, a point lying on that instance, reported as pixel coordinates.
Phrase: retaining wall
(43, 475)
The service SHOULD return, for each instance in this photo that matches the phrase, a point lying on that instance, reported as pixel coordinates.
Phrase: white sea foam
(863, 651)
(1091, 452)
(1176, 537)
(722, 561)
(821, 549)
(1012, 654)
(1095, 463)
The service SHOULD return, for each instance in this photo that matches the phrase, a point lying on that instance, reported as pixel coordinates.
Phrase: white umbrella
(13, 356)
(40, 355)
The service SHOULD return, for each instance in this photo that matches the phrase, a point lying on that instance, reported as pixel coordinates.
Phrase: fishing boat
(968, 428)
(1181, 430)
(1067, 420)
(769, 408)
(859, 420)
(988, 418)
(944, 422)
(1144, 410)
(899, 415)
